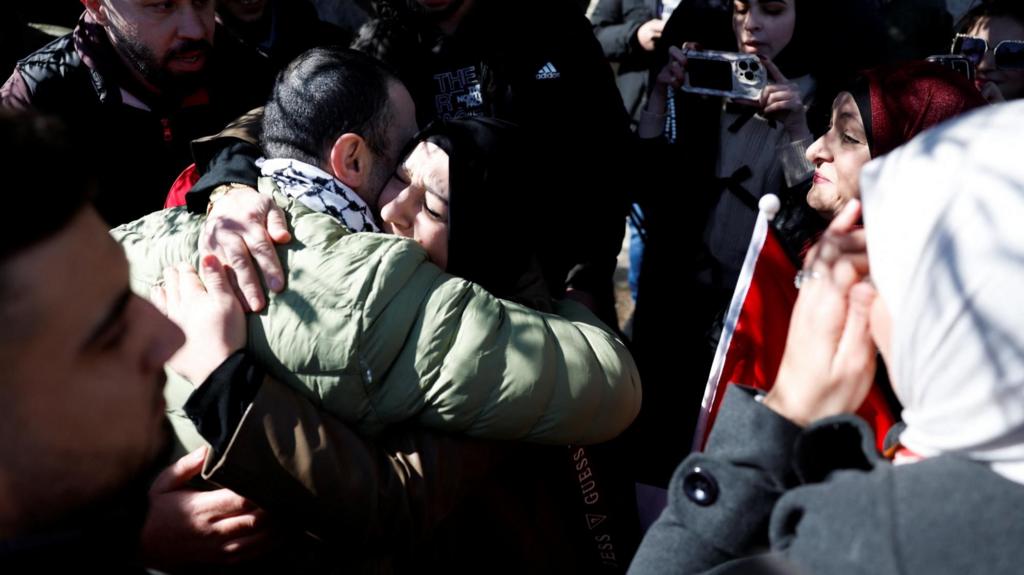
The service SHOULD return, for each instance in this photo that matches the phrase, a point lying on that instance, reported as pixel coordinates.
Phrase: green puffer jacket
(378, 335)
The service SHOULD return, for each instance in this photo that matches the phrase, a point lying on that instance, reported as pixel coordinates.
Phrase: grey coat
(767, 496)
(615, 25)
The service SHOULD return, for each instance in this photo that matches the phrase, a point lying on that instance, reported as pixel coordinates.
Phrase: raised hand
(241, 230)
(829, 362)
(781, 101)
(207, 311)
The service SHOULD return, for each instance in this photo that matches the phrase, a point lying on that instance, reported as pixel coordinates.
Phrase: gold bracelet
(221, 191)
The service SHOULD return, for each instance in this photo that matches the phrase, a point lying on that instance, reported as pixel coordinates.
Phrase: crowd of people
(344, 295)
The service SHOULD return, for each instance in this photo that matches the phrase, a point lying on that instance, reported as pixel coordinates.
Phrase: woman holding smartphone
(719, 156)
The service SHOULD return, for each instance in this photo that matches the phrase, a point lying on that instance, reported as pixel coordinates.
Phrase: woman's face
(994, 31)
(763, 27)
(838, 156)
(414, 204)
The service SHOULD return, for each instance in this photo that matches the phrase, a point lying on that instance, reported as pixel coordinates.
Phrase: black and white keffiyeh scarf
(320, 192)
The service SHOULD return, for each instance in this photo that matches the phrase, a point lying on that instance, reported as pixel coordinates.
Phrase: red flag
(754, 335)
(181, 186)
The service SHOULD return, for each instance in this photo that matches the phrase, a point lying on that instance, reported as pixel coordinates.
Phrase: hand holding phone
(674, 72)
(782, 101)
(727, 74)
(956, 62)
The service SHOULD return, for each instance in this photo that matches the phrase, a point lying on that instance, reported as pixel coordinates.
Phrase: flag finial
(769, 206)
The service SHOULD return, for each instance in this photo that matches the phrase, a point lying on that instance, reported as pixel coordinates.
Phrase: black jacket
(535, 63)
(821, 500)
(137, 152)
(288, 28)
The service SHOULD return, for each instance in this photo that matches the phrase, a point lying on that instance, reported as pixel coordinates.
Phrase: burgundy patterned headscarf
(898, 102)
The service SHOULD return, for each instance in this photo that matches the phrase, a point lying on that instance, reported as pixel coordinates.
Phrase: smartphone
(737, 76)
(955, 62)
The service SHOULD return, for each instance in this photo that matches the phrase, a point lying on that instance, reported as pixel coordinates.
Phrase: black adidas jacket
(535, 63)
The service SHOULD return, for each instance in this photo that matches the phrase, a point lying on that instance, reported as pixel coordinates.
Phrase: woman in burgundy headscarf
(884, 109)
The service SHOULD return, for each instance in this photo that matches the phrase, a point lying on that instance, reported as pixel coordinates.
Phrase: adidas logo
(548, 72)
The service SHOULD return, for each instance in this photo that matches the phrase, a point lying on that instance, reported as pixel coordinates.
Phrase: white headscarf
(944, 217)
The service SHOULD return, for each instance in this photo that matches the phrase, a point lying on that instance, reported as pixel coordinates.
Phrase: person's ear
(350, 160)
(97, 10)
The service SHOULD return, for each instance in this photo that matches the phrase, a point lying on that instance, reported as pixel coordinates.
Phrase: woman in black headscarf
(463, 193)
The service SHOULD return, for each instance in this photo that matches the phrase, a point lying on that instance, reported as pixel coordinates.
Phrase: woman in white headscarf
(793, 473)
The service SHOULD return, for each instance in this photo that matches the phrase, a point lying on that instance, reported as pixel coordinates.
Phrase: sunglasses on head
(1009, 54)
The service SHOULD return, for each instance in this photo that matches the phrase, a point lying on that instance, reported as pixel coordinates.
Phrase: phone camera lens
(743, 65)
(749, 76)
(754, 67)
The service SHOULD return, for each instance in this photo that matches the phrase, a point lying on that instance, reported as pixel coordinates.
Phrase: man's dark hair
(44, 174)
(322, 94)
(1013, 9)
